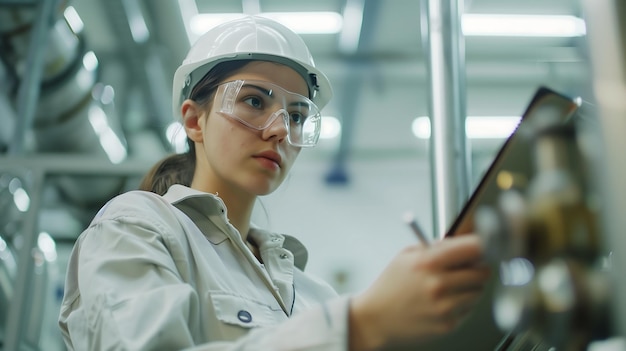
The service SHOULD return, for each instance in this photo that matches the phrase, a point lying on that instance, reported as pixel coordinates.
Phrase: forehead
(272, 72)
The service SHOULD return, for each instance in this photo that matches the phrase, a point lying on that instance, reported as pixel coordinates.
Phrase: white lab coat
(170, 272)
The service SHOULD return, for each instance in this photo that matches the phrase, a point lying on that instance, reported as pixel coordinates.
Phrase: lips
(270, 155)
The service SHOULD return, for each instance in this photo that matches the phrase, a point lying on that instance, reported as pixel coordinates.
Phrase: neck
(238, 204)
(239, 211)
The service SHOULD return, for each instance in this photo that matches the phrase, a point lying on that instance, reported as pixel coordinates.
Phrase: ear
(192, 114)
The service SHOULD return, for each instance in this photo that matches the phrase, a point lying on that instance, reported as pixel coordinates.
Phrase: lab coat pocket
(244, 312)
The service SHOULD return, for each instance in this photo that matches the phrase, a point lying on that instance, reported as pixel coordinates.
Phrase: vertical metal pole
(19, 310)
(28, 95)
(606, 34)
(30, 85)
(445, 48)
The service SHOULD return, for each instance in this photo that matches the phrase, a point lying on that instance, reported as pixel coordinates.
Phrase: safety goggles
(257, 104)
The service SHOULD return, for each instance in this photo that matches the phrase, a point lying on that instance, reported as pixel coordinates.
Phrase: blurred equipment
(538, 211)
(540, 218)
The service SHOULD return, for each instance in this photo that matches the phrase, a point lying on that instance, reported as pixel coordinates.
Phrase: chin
(266, 191)
(264, 185)
(263, 189)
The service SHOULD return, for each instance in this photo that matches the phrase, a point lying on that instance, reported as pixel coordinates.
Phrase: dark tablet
(514, 162)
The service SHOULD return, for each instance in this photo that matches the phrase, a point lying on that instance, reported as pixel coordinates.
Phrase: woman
(181, 266)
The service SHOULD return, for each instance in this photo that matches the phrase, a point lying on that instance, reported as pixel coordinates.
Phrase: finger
(456, 252)
(463, 280)
(459, 305)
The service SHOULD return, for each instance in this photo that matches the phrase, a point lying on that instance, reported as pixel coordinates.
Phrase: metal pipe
(30, 86)
(17, 318)
(360, 24)
(445, 49)
(605, 21)
(7, 119)
(19, 3)
(145, 64)
(62, 95)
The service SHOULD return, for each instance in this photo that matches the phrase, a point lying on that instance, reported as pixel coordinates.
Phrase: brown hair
(179, 168)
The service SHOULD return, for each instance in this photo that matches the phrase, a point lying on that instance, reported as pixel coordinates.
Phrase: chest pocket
(244, 312)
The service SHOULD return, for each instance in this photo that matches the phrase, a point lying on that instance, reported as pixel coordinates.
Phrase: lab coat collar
(212, 205)
(264, 238)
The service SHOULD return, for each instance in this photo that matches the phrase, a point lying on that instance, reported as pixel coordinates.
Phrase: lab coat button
(283, 256)
(244, 316)
(275, 239)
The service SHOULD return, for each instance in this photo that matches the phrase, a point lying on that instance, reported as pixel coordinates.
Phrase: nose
(278, 128)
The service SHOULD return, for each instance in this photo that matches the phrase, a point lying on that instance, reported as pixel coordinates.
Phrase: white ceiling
(388, 75)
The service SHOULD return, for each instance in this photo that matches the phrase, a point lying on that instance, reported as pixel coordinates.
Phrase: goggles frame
(229, 103)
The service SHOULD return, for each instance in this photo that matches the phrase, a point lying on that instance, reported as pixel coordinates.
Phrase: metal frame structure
(19, 334)
(28, 95)
(38, 169)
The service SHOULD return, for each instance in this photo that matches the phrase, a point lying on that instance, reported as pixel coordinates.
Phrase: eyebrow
(267, 92)
(299, 104)
(270, 93)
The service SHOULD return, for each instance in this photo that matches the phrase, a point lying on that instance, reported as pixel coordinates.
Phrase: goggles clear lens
(257, 104)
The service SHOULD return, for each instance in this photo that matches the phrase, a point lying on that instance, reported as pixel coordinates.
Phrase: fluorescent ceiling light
(73, 19)
(90, 61)
(331, 127)
(523, 25)
(476, 127)
(300, 22)
(353, 21)
(111, 144)
(47, 246)
(176, 135)
(21, 199)
(188, 9)
(137, 24)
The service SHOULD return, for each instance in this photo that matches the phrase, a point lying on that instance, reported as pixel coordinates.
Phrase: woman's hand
(423, 293)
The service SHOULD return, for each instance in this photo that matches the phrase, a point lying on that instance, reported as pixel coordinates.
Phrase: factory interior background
(102, 116)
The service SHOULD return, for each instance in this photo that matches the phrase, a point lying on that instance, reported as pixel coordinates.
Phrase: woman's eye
(297, 117)
(254, 101)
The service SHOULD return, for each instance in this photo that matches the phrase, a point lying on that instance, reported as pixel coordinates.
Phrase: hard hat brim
(188, 75)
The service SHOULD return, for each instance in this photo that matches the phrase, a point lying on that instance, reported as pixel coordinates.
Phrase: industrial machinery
(557, 236)
(543, 230)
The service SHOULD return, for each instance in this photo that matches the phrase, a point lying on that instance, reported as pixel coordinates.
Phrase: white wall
(356, 228)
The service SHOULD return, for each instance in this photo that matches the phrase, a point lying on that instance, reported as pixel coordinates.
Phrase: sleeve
(132, 297)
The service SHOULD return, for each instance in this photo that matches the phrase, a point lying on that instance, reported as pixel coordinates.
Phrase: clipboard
(514, 159)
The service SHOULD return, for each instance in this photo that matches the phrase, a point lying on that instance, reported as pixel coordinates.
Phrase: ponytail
(174, 169)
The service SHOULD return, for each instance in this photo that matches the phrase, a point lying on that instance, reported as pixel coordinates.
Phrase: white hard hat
(249, 38)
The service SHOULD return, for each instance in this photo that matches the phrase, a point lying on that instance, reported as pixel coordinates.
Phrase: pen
(410, 220)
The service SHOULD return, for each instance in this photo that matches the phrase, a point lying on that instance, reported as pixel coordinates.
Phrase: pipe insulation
(60, 109)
